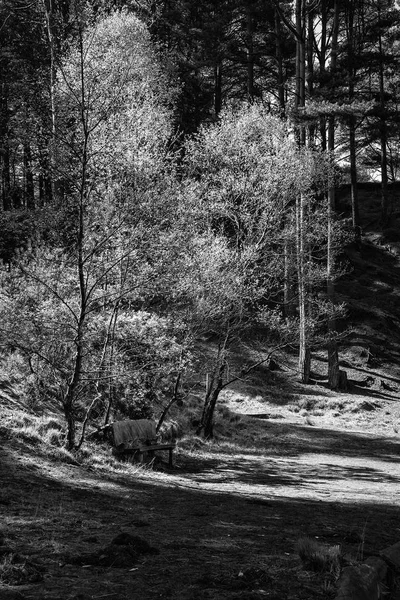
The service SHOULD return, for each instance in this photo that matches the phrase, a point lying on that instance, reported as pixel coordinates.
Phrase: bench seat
(151, 448)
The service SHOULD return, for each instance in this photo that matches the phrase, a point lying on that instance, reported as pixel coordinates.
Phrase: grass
(319, 557)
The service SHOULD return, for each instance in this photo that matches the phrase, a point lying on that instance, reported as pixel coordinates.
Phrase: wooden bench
(151, 448)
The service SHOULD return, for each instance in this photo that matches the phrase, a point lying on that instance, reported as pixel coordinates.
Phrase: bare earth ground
(225, 522)
(225, 525)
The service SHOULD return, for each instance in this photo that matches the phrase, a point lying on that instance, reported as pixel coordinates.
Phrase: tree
(244, 175)
(112, 126)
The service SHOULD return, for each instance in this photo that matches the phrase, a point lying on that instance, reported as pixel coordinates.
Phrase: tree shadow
(205, 534)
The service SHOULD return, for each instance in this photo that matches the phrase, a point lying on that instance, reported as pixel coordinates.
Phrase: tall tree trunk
(5, 150)
(45, 179)
(250, 52)
(304, 350)
(351, 72)
(75, 383)
(49, 17)
(353, 173)
(289, 291)
(383, 131)
(333, 354)
(279, 63)
(300, 96)
(212, 394)
(29, 184)
(310, 67)
(217, 88)
(6, 176)
(322, 67)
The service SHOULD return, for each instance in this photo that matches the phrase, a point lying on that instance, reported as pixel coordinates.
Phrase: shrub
(319, 557)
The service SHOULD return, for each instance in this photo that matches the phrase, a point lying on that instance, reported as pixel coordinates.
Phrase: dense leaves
(164, 180)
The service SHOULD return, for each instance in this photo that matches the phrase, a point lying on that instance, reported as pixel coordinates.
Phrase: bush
(319, 557)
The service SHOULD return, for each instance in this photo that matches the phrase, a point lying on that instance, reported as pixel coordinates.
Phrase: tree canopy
(168, 174)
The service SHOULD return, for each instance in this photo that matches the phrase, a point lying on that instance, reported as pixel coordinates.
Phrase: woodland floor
(224, 523)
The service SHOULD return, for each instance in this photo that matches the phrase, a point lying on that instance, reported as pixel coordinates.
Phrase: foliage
(244, 176)
(112, 127)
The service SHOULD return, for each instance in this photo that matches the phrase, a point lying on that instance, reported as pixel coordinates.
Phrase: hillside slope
(290, 462)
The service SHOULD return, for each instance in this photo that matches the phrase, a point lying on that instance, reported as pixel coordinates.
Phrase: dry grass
(319, 557)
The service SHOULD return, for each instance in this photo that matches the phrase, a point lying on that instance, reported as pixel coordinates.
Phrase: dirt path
(225, 526)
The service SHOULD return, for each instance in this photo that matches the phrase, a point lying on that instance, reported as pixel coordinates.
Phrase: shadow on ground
(207, 534)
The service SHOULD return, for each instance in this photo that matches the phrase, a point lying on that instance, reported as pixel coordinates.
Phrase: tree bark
(279, 63)
(351, 72)
(29, 184)
(217, 88)
(300, 66)
(333, 355)
(333, 366)
(355, 213)
(49, 18)
(383, 131)
(5, 150)
(207, 421)
(304, 351)
(250, 52)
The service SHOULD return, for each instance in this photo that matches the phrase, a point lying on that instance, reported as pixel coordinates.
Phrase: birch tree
(112, 126)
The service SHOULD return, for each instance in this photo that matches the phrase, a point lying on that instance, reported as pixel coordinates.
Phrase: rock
(392, 556)
(359, 582)
(379, 565)
(369, 406)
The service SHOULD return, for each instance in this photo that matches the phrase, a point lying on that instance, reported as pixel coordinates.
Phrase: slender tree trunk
(49, 17)
(322, 68)
(74, 386)
(333, 354)
(44, 160)
(5, 150)
(310, 68)
(207, 420)
(289, 286)
(214, 385)
(300, 96)
(353, 173)
(72, 393)
(250, 52)
(217, 88)
(333, 366)
(351, 71)
(383, 132)
(6, 176)
(279, 63)
(304, 350)
(29, 184)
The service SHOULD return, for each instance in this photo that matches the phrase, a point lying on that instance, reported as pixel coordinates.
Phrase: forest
(169, 177)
